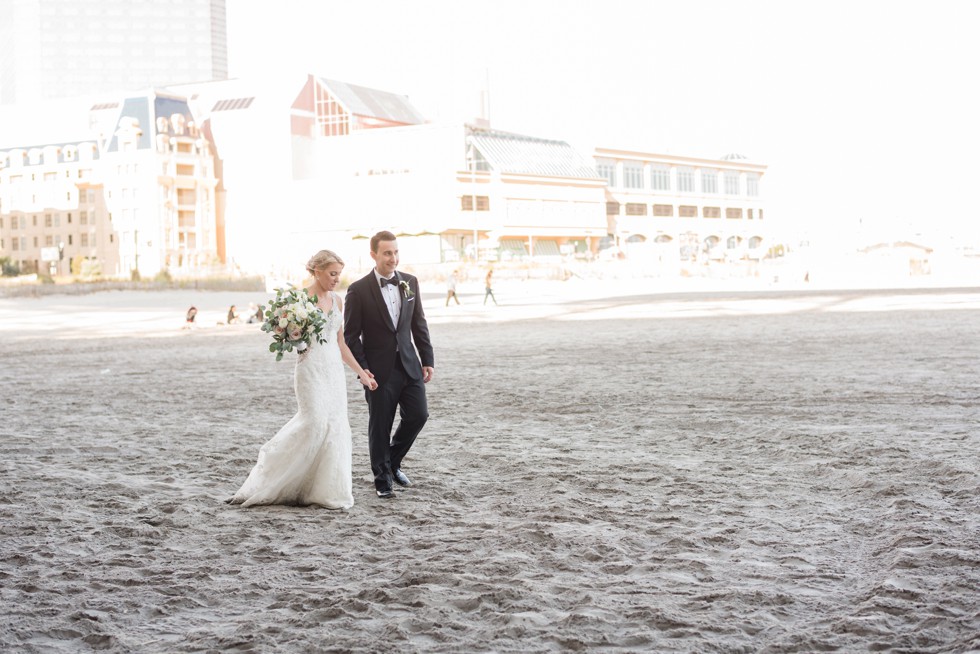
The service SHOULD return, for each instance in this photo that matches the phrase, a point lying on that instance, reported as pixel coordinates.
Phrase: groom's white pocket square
(411, 299)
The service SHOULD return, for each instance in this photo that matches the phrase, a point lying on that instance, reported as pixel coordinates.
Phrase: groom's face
(386, 258)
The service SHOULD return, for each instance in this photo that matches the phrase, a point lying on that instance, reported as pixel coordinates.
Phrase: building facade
(136, 200)
(232, 178)
(67, 48)
(684, 210)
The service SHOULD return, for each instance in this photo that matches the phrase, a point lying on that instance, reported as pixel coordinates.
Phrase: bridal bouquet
(293, 320)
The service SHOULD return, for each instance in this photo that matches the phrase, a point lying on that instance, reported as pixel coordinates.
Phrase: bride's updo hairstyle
(321, 260)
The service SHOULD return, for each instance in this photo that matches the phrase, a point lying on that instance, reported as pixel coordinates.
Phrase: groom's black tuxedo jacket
(374, 340)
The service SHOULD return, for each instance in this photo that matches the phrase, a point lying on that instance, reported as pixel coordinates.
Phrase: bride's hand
(367, 379)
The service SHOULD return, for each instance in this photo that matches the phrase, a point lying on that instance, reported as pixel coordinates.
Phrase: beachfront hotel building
(135, 197)
(238, 178)
(68, 48)
(684, 210)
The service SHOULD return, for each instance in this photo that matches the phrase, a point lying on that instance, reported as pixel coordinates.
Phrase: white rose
(283, 321)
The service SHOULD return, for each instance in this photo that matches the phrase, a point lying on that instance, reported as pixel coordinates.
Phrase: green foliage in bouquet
(293, 320)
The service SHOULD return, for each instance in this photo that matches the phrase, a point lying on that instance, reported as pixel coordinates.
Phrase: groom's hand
(427, 372)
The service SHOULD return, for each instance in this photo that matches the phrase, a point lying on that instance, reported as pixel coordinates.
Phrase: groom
(382, 317)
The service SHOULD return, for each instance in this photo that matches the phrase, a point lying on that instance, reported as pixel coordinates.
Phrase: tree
(9, 268)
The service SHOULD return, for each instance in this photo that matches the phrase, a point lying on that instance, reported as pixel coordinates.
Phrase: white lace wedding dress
(309, 460)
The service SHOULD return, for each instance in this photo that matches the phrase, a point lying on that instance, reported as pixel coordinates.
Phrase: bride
(309, 460)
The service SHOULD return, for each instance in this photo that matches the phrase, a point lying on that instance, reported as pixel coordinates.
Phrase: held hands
(367, 378)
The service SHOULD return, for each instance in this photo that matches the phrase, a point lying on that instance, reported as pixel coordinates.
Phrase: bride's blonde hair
(321, 260)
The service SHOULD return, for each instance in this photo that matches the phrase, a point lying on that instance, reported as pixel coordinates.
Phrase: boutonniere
(406, 289)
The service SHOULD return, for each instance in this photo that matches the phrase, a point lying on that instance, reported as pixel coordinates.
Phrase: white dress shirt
(393, 299)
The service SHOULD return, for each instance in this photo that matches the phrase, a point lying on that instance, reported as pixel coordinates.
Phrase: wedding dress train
(309, 460)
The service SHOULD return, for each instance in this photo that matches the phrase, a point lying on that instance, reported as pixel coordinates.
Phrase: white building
(138, 197)
(684, 210)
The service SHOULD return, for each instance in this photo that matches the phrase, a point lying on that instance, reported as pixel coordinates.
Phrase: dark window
(735, 213)
(712, 212)
(687, 211)
(636, 209)
(612, 208)
(663, 210)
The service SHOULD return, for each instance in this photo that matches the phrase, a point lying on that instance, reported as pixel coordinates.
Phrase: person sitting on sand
(232, 315)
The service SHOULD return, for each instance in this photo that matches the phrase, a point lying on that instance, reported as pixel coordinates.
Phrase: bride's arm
(366, 377)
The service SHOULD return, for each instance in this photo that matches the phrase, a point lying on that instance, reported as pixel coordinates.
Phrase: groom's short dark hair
(381, 236)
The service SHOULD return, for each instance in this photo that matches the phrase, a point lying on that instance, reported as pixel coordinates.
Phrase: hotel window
(83, 218)
(57, 220)
(632, 174)
(663, 210)
(712, 212)
(606, 169)
(750, 215)
(687, 211)
(83, 240)
(760, 214)
(660, 178)
(35, 241)
(709, 181)
(612, 208)
(48, 240)
(482, 203)
(734, 213)
(685, 180)
(752, 186)
(731, 183)
(14, 245)
(636, 209)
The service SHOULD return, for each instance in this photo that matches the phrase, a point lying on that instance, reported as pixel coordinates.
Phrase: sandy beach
(726, 471)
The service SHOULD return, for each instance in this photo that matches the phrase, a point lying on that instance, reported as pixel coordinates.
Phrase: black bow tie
(393, 281)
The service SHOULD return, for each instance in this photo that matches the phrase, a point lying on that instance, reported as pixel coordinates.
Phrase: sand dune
(715, 472)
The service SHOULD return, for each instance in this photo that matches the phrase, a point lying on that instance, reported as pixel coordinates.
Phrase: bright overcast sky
(862, 109)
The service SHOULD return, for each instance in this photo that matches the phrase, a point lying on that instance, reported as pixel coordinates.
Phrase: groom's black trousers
(387, 451)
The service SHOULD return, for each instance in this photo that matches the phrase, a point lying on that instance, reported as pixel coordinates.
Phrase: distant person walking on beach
(451, 289)
(386, 330)
(489, 288)
(309, 460)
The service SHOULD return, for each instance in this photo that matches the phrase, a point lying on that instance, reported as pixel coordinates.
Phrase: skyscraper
(59, 48)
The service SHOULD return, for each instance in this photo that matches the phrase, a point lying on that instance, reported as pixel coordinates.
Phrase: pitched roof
(362, 101)
(513, 153)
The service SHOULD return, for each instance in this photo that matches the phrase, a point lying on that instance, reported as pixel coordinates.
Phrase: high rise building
(63, 48)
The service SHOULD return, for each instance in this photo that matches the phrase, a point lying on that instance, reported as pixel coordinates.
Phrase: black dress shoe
(386, 494)
(400, 478)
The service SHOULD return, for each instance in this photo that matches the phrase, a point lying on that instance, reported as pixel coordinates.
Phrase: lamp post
(471, 162)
